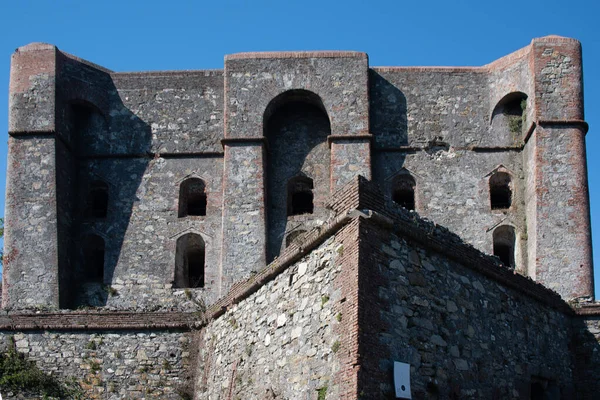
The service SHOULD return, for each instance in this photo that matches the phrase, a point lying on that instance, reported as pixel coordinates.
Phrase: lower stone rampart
(105, 355)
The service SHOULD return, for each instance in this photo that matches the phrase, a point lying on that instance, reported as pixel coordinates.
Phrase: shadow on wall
(389, 125)
(296, 126)
(100, 187)
(586, 356)
(388, 113)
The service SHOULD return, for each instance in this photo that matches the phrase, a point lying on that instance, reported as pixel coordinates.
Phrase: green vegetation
(95, 366)
(249, 350)
(324, 299)
(91, 345)
(515, 123)
(112, 292)
(336, 346)
(338, 317)
(322, 393)
(21, 375)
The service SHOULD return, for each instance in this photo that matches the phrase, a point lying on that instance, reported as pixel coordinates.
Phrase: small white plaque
(402, 380)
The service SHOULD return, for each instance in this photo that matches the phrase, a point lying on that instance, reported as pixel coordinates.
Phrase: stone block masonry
(249, 133)
(282, 341)
(132, 364)
(275, 206)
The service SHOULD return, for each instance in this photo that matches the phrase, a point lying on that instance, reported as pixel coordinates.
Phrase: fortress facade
(259, 231)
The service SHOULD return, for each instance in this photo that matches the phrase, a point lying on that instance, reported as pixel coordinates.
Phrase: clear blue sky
(136, 35)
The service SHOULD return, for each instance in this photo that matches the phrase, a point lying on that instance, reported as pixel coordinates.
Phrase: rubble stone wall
(463, 333)
(283, 340)
(108, 364)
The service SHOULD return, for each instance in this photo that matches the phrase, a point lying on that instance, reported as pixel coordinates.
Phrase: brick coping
(96, 320)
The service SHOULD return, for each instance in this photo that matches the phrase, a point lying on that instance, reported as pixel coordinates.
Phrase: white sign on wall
(402, 380)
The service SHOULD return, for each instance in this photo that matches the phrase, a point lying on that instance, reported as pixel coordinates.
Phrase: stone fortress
(259, 232)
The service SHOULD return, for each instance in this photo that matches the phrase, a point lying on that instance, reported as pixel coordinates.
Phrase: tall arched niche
(296, 126)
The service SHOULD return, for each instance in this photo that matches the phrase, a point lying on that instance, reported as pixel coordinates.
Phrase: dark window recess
(196, 268)
(93, 259)
(189, 261)
(300, 196)
(544, 389)
(504, 245)
(97, 201)
(503, 252)
(192, 198)
(403, 192)
(500, 191)
(537, 391)
(82, 118)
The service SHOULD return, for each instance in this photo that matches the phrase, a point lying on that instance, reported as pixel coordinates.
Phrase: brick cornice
(96, 320)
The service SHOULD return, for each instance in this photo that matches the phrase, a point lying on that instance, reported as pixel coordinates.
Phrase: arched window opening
(293, 236)
(403, 191)
(512, 109)
(93, 259)
(504, 245)
(300, 196)
(189, 261)
(192, 197)
(500, 191)
(97, 200)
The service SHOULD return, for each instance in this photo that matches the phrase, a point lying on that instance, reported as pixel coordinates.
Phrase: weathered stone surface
(110, 364)
(287, 345)
(466, 324)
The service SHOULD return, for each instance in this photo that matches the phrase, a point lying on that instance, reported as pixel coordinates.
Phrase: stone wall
(31, 221)
(456, 194)
(464, 333)
(142, 227)
(153, 130)
(586, 346)
(283, 340)
(134, 364)
(435, 124)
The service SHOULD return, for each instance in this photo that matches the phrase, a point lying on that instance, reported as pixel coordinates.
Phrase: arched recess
(510, 113)
(190, 256)
(89, 127)
(96, 205)
(403, 190)
(192, 197)
(296, 126)
(501, 190)
(505, 245)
